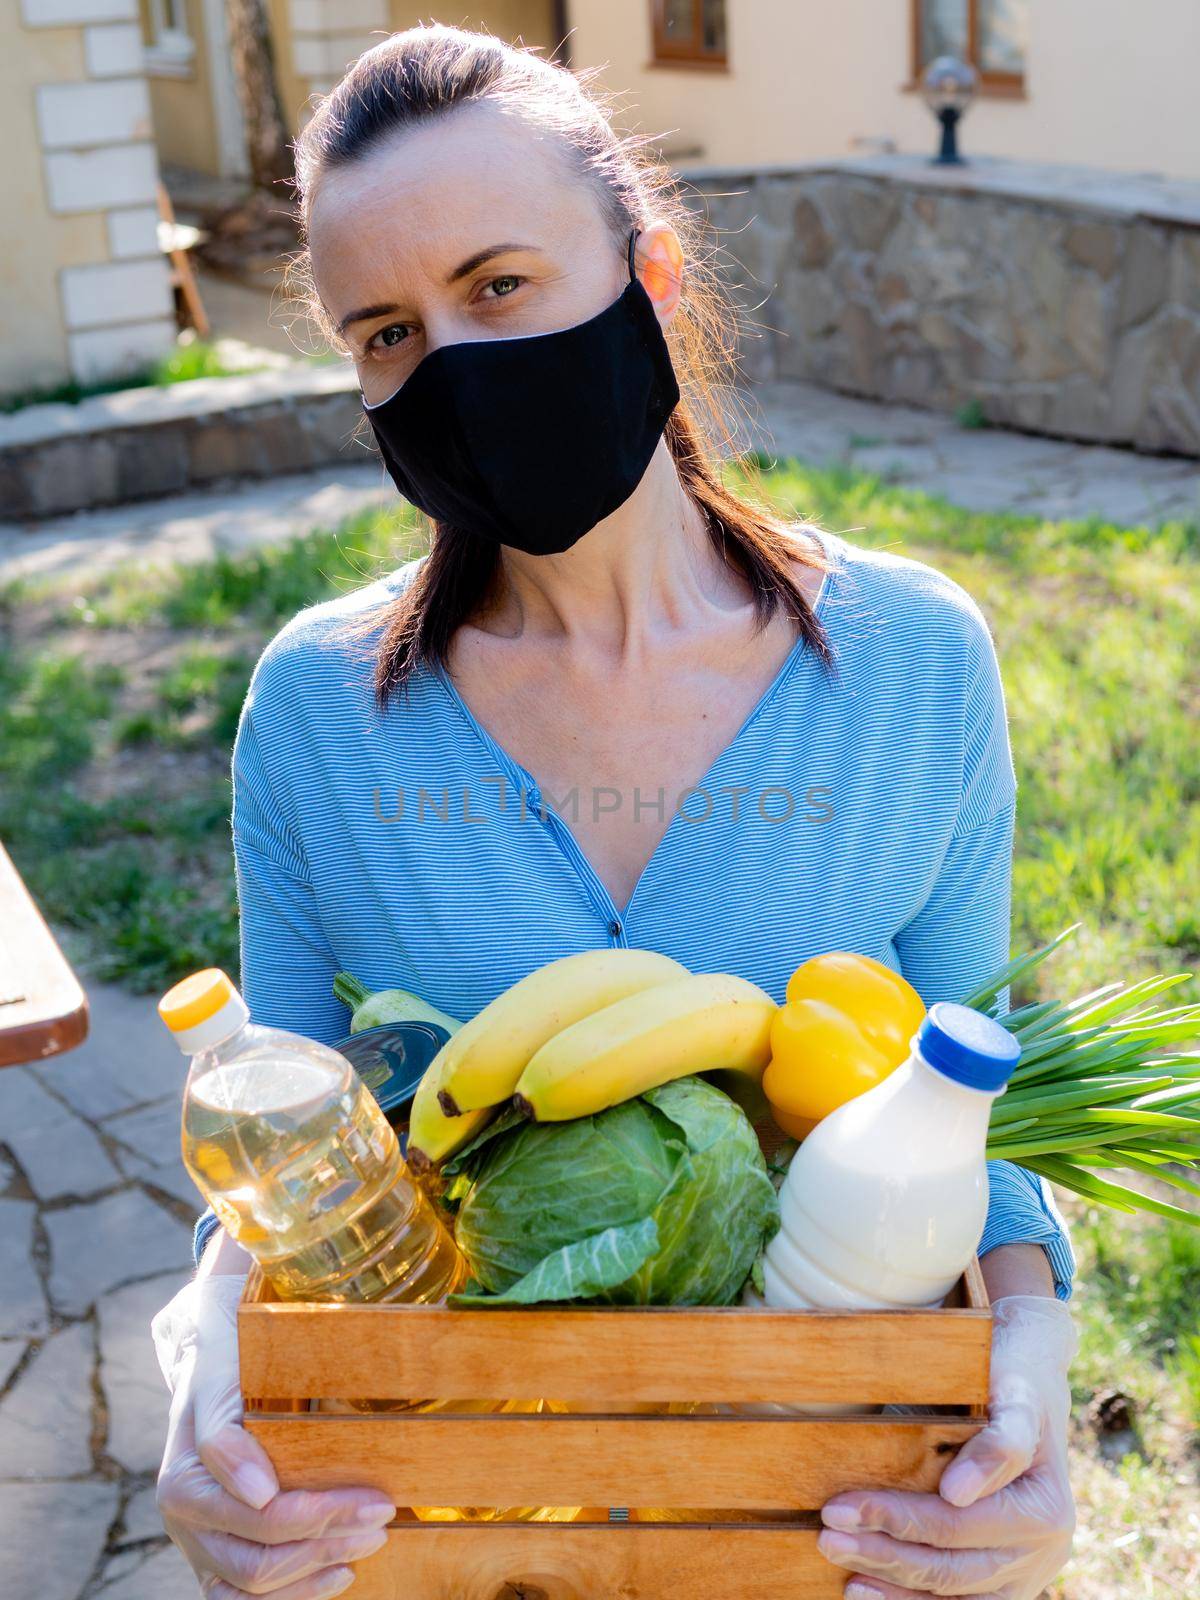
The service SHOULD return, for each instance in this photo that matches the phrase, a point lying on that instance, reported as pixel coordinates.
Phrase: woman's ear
(658, 261)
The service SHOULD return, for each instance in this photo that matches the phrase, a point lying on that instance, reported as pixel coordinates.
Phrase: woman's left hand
(1002, 1522)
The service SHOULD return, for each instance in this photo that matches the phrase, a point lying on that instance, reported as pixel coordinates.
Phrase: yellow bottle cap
(196, 999)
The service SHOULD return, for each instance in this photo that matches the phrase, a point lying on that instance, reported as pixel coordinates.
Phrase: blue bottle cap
(967, 1046)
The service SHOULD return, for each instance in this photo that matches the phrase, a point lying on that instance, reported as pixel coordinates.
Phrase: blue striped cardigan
(871, 810)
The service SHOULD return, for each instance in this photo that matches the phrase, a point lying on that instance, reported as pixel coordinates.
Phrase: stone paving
(190, 527)
(987, 469)
(95, 1235)
(982, 469)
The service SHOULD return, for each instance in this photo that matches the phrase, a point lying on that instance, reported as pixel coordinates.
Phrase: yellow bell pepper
(848, 1023)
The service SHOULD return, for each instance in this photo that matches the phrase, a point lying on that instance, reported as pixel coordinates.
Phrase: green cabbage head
(664, 1200)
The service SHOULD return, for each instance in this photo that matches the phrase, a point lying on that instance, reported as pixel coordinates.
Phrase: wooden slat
(542, 1561)
(776, 1463)
(606, 1358)
(43, 1010)
(975, 1294)
(974, 1288)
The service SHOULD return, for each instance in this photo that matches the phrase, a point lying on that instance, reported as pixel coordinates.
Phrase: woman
(614, 704)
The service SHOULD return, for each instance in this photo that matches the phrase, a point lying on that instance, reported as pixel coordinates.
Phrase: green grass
(119, 701)
(972, 415)
(1095, 625)
(1138, 1298)
(201, 696)
(257, 590)
(1137, 1306)
(1183, 1367)
(140, 875)
(194, 359)
(1139, 1532)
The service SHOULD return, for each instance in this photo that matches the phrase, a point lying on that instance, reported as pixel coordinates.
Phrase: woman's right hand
(217, 1491)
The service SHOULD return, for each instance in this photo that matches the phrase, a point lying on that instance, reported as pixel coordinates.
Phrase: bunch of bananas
(584, 1033)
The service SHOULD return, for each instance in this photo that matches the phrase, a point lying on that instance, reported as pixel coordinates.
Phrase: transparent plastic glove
(1002, 1522)
(217, 1491)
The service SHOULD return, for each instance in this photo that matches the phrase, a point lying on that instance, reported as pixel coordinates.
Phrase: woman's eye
(504, 286)
(395, 333)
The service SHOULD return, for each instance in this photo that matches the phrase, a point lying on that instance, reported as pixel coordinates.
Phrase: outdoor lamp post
(948, 88)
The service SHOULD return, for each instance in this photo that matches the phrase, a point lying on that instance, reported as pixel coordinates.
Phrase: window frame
(1011, 85)
(171, 52)
(666, 52)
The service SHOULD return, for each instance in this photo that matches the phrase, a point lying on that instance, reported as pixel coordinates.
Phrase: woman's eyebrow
(461, 271)
(364, 315)
(481, 256)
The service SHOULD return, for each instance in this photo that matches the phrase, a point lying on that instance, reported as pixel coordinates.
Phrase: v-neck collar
(525, 782)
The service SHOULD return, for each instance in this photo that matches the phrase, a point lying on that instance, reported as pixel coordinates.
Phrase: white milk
(885, 1201)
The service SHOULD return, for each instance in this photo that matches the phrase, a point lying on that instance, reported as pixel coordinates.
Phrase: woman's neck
(646, 573)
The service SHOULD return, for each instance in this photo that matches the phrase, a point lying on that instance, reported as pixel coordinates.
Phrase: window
(993, 35)
(171, 48)
(690, 32)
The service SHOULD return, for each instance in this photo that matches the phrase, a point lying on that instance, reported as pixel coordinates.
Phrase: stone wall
(85, 290)
(142, 444)
(1057, 300)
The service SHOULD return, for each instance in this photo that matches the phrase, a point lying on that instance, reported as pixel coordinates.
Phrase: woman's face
(471, 227)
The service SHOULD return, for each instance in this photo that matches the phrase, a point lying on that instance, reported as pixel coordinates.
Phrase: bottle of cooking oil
(298, 1161)
(300, 1165)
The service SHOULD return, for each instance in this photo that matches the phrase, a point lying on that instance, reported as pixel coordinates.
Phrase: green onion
(1097, 1089)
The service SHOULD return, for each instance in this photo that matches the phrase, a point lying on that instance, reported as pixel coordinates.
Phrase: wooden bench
(43, 1009)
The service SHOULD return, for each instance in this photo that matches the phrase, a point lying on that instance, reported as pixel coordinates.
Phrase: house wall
(1104, 88)
(87, 293)
(294, 88)
(182, 103)
(529, 20)
(33, 346)
(1109, 84)
(327, 35)
(315, 40)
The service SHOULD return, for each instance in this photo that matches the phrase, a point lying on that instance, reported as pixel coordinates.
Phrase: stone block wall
(327, 35)
(86, 293)
(1056, 300)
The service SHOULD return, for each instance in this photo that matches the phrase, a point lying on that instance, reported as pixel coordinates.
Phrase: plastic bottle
(302, 1168)
(884, 1203)
(298, 1161)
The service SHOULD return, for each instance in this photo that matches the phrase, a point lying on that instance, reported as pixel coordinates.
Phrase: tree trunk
(253, 57)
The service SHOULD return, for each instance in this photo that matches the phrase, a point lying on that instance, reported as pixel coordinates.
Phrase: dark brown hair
(415, 76)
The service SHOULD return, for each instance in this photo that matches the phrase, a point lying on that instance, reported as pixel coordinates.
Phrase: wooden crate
(773, 1472)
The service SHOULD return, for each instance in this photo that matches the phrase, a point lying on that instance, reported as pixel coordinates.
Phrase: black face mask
(531, 442)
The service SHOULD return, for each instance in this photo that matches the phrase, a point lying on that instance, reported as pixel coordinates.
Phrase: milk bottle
(885, 1201)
